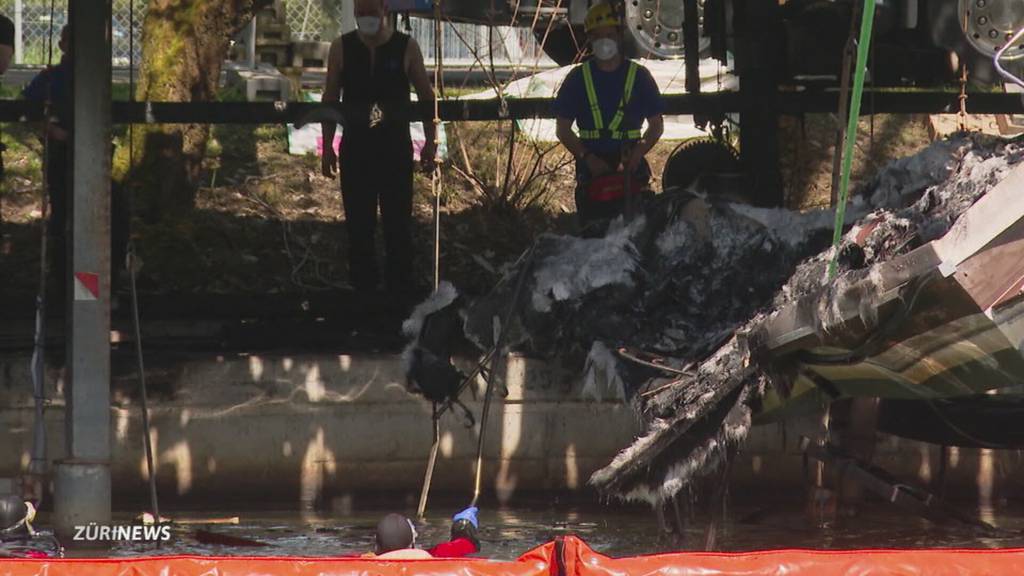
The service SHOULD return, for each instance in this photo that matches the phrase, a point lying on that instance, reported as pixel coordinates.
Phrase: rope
(147, 441)
(480, 368)
(130, 264)
(435, 176)
(131, 81)
(39, 461)
(867, 22)
(498, 352)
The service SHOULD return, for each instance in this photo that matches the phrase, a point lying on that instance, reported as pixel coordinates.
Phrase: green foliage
(122, 91)
(272, 134)
(10, 92)
(230, 94)
(23, 157)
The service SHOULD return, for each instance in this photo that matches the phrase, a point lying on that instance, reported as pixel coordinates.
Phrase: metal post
(19, 38)
(348, 16)
(760, 26)
(83, 478)
(691, 46)
(431, 463)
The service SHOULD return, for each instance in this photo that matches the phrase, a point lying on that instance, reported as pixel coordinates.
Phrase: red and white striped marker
(87, 286)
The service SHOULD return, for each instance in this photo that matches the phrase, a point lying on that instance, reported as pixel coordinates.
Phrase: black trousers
(377, 171)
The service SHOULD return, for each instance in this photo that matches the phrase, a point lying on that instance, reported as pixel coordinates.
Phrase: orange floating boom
(568, 556)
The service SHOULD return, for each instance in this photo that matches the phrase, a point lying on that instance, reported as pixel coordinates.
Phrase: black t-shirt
(6, 31)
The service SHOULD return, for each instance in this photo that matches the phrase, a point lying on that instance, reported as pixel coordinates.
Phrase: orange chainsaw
(614, 186)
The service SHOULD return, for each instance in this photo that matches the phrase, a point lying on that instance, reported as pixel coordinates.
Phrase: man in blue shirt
(608, 98)
(53, 86)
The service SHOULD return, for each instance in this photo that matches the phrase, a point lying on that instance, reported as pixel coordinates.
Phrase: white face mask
(605, 48)
(369, 25)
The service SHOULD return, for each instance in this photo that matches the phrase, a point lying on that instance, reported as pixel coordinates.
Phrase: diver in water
(396, 538)
(17, 537)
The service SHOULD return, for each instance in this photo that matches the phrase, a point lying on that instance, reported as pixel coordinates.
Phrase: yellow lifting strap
(627, 95)
(595, 105)
(613, 131)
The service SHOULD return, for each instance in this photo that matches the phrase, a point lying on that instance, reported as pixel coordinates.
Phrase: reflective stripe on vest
(618, 135)
(613, 131)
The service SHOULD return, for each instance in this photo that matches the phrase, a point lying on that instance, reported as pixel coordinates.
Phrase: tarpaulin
(309, 138)
(567, 556)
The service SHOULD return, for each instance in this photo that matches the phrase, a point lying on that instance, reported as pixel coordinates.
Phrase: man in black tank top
(371, 70)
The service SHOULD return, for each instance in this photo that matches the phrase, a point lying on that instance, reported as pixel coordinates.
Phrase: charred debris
(664, 310)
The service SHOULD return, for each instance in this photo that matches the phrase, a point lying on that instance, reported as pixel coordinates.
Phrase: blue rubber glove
(468, 514)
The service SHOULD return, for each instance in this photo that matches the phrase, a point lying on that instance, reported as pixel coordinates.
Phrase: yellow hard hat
(600, 16)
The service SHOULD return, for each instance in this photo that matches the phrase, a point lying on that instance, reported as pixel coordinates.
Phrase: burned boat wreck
(711, 316)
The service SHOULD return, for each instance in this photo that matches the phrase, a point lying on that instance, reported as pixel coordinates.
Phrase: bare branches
(521, 173)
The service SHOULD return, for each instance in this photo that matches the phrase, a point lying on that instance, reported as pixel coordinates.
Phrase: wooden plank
(994, 272)
(1015, 292)
(995, 212)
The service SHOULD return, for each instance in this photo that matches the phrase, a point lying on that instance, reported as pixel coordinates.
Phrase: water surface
(508, 533)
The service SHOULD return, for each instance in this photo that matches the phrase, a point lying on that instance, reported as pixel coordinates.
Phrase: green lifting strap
(867, 19)
(595, 108)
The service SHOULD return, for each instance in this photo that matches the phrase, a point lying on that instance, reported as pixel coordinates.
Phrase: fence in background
(307, 20)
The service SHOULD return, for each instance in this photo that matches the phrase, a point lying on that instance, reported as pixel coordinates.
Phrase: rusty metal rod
(146, 440)
(431, 462)
(491, 376)
(844, 101)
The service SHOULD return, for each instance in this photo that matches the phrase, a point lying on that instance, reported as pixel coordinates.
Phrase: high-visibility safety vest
(612, 130)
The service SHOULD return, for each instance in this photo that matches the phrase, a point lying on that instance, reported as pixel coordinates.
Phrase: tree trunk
(184, 43)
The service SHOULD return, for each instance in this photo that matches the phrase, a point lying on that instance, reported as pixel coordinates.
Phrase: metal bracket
(999, 55)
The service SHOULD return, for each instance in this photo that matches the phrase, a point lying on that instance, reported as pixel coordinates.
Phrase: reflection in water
(122, 416)
(572, 471)
(181, 457)
(314, 386)
(318, 465)
(924, 473)
(154, 441)
(986, 476)
(506, 534)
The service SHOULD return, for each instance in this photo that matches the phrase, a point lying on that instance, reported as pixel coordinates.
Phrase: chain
(961, 116)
